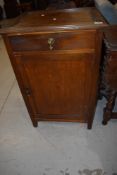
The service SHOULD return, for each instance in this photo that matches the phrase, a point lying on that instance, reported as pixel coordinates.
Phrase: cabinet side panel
(20, 81)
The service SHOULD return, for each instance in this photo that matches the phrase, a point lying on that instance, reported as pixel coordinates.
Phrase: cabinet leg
(35, 123)
(90, 119)
(89, 125)
(109, 107)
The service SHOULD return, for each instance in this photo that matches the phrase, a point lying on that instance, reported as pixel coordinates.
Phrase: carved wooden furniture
(25, 7)
(1, 13)
(84, 3)
(61, 4)
(36, 4)
(56, 57)
(11, 8)
(109, 73)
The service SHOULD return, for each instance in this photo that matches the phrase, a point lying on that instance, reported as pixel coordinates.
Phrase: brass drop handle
(51, 42)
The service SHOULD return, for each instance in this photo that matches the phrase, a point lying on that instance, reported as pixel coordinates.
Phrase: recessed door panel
(60, 83)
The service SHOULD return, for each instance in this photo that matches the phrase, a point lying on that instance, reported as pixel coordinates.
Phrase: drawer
(54, 41)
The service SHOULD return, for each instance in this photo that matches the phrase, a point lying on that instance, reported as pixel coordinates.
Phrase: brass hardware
(51, 42)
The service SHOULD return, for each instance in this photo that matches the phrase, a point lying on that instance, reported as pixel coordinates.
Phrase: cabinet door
(60, 83)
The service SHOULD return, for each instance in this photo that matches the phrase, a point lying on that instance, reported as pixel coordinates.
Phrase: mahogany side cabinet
(55, 56)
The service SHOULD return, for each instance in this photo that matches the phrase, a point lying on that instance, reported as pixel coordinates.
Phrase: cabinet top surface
(68, 19)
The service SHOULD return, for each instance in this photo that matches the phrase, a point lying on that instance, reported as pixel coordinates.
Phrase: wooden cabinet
(56, 62)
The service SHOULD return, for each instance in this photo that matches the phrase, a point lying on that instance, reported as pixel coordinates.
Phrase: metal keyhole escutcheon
(51, 42)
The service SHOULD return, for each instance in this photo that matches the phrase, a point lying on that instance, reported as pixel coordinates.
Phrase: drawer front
(54, 41)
